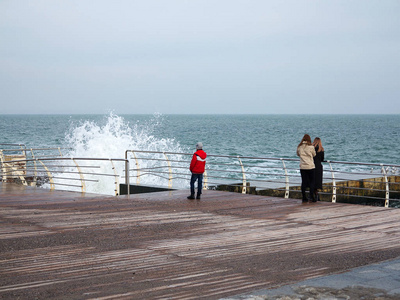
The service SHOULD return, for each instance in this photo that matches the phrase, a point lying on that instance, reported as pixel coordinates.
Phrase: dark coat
(319, 170)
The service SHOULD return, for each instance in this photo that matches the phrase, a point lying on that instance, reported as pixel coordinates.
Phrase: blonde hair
(317, 143)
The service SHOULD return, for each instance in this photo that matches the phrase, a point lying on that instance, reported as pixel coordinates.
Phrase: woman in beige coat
(306, 152)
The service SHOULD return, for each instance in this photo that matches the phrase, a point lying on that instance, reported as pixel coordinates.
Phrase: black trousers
(307, 181)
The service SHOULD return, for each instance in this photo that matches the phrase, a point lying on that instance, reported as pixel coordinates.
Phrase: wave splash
(89, 139)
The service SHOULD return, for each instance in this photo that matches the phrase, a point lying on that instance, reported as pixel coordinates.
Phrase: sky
(200, 57)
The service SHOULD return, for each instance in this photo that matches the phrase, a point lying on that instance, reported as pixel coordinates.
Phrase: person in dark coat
(319, 170)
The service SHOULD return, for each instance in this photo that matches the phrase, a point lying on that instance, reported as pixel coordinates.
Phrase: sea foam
(90, 139)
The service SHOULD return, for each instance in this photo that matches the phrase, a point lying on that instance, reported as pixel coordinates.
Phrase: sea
(347, 138)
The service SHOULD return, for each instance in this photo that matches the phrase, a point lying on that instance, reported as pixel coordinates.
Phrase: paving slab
(377, 281)
(67, 245)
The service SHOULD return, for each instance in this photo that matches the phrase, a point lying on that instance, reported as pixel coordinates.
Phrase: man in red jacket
(197, 167)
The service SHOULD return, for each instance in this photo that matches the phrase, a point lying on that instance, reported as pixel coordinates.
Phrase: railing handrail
(333, 180)
(362, 163)
(266, 158)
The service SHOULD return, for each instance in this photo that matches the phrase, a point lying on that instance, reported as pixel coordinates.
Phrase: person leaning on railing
(319, 170)
(197, 167)
(306, 152)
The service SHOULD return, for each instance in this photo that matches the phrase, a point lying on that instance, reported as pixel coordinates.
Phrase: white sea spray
(89, 139)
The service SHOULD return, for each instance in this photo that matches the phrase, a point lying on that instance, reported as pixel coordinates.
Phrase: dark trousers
(307, 180)
(193, 179)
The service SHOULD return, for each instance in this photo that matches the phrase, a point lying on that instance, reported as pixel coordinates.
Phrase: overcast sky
(200, 56)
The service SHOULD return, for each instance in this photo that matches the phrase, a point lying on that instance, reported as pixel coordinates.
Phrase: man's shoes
(190, 197)
(198, 197)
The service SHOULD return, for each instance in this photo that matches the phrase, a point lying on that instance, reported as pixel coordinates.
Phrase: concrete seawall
(368, 191)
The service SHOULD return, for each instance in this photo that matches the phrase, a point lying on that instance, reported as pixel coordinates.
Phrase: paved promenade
(64, 245)
(377, 281)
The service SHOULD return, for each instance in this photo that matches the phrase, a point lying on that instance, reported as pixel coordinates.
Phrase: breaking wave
(92, 139)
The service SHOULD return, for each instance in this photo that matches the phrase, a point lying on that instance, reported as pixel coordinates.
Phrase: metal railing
(33, 152)
(61, 172)
(368, 182)
(350, 181)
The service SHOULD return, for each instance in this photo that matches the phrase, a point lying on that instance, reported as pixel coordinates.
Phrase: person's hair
(306, 138)
(317, 143)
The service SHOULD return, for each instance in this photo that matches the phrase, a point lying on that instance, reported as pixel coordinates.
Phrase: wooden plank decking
(62, 245)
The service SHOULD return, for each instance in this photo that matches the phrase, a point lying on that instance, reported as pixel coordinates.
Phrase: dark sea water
(352, 138)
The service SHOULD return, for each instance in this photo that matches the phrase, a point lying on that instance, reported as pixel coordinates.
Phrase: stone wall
(363, 191)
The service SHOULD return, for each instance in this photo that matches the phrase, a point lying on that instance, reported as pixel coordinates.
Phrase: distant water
(353, 138)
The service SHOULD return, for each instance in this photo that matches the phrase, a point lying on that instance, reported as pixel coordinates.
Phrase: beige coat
(306, 153)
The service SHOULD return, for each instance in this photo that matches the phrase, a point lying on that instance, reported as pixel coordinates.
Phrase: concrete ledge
(140, 189)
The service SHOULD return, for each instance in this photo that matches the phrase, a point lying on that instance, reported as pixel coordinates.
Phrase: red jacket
(198, 163)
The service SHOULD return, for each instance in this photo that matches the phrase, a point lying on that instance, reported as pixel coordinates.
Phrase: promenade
(65, 245)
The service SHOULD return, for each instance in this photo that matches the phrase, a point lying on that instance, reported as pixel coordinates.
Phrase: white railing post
(333, 183)
(23, 148)
(35, 174)
(83, 185)
(3, 167)
(127, 179)
(116, 177)
(286, 179)
(244, 188)
(387, 186)
(48, 174)
(205, 180)
(137, 168)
